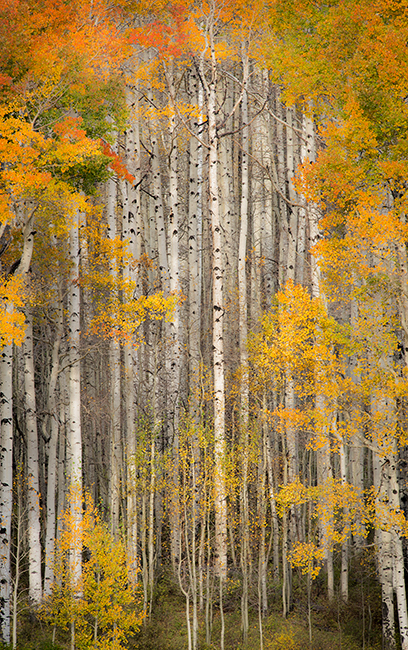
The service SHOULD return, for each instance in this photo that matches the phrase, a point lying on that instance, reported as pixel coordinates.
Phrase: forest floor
(335, 626)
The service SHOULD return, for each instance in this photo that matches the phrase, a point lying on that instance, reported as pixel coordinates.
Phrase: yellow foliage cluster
(308, 557)
(12, 318)
(342, 508)
(105, 609)
(297, 339)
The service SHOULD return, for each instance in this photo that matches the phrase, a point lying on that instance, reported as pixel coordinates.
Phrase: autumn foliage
(108, 609)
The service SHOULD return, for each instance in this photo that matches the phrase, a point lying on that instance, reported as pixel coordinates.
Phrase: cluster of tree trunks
(174, 427)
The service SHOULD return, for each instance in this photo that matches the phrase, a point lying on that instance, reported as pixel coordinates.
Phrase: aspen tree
(218, 311)
(324, 469)
(243, 334)
(74, 392)
(34, 532)
(229, 207)
(53, 456)
(6, 486)
(131, 229)
(36, 172)
(194, 258)
(114, 366)
(6, 459)
(362, 158)
(292, 217)
(173, 357)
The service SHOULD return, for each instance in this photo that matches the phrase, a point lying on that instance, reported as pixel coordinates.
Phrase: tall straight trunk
(74, 392)
(6, 458)
(301, 247)
(129, 397)
(259, 261)
(263, 554)
(356, 451)
(159, 226)
(132, 229)
(114, 372)
(220, 495)
(280, 143)
(271, 489)
(194, 266)
(150, 545)
(383, 540)
(292, 221)
(242, 257)
(63, 451)
(174, 283)
(174, 353)
(344, 572)
(291, 434)
(243, 353)
(194, 528)
(228, 206)
(19, 533)
(324, 469)
(390, 553)
(6, 441)
(6, 486)
(52, 470)
(269, 228)
(286, 540)
(33, 498)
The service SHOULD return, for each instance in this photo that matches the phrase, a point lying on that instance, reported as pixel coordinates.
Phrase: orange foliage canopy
(347, 63)
(59, 80)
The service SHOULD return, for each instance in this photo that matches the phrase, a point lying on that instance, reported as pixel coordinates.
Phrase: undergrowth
(335, 625)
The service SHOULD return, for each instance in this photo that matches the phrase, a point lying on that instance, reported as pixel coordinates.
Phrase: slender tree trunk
(194, 266)
(220, 496)
(174, 353)
(263, 555)
(6, 486)
(292, 220)
(324, 470)
(34, 532)
(272, 501)
(18, 554)
(132, 231)
(243, 353)
(74, 391)
(6, 444)
(52, 470)
(114, 372)
(390, 555)
(385, 570)
(152, 490)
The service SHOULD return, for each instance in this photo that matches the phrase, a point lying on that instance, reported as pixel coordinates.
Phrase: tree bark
(74, 390)
(34, 532)
(6, 486)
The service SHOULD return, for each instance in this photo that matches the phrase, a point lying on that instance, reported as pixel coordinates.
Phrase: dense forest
(204, 319)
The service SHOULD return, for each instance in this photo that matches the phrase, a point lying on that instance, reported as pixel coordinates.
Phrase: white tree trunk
(194, 265)
(74, 391)
(291, 209)
(114, 373)
(34, 530)
(383, 540)
(220, 495)
(324, 470)
(390, 553)
(52, 470)
(243, 353)
(132, 229)
(6, 486)
(174, 353)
